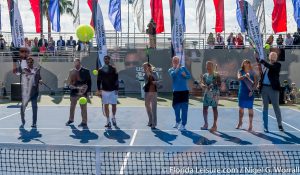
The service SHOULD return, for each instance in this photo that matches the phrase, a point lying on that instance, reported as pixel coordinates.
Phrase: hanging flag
(76, 20)
(259, 9)
(17, 32)
(138, 12)
(157, 15)
(219, 7)
(100, 34)
(0, 18)
(201, 15)
(178, 34)
(279, 18)
(114, 14)
(35, 6)
(296, 5)
(240, 10)
(253, 30)
(54, 14)
(172, 8)
(182, 9)
(93, 7)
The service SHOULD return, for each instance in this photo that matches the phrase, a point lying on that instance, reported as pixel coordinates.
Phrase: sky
(231, 24)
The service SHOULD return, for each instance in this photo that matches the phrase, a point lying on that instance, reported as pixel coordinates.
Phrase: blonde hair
(210, 63)
(149, 65)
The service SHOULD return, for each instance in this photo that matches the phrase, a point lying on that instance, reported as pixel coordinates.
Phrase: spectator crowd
(238, 41)
(44, 45)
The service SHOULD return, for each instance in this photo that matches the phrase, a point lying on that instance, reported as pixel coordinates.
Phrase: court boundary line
(167, 130)
(289, 125)
(124, 164)
(106, 146)
(143, 130)
(297, 110)
(13, 114)
(192, 107)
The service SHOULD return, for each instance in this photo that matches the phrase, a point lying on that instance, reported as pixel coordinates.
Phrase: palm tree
(65, 7)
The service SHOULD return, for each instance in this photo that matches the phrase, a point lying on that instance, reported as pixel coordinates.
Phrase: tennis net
(65, 159)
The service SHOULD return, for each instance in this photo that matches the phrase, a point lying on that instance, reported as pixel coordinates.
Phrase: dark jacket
(71, 43)
(108, 80)
(40, 43)
(273, 74)
(60, 43)
(84, 78)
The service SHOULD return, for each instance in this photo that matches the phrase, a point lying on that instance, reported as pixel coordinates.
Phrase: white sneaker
(181, 128)
(176, 125)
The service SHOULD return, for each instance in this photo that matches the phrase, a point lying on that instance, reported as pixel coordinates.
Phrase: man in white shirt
(289, 41)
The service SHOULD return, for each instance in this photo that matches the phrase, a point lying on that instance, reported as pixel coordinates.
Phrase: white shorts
(109, 97)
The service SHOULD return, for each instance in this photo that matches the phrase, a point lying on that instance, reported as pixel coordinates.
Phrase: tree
(65, 7)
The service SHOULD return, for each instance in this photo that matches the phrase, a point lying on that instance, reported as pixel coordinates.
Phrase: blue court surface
(133, 148)
(132, 129)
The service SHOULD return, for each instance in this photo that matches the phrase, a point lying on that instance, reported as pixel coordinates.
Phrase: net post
(98, 162)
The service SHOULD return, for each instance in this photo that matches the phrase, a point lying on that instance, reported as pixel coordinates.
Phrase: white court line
(128, 153)
(276, 119)
(143, 130)
(293, 109)
(146, 146)
(11, 115)
(190, 107)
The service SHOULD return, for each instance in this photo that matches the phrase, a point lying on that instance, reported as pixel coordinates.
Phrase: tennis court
(133, 148)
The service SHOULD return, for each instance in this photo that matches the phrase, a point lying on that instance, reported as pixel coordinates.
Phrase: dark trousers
(34, 106)
(181, 111)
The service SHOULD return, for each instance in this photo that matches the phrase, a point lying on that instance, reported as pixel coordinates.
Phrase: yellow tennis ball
(85, 32)
(95, 72)
(267, 46)
(82, 100)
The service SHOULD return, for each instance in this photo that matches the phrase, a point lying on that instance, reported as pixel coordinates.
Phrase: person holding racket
(108, 86)
(180, 76)
(80, 83)
(248, 80)
(210, 82)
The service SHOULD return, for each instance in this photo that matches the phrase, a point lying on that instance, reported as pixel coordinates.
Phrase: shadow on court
(119, 135)
(164, 136)
(84, 135)
(289, 138)
(198, 139)
(230, 138)
(29, 135)
(274, 140)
